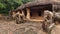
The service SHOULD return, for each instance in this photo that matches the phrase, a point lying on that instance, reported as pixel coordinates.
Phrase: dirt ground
(10, 27)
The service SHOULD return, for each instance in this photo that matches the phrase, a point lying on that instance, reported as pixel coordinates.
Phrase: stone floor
(10, 27)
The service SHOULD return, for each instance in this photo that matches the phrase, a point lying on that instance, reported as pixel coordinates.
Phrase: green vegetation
(7, 5)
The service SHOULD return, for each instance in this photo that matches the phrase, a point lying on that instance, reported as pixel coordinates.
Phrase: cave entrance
(37, 12)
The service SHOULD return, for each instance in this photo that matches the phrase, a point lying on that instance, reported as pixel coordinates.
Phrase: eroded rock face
(2, 31)
(29, 28)
(19, 31)
(56, 30)
(24, 28)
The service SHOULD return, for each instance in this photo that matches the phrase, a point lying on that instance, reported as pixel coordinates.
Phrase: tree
(7, 5)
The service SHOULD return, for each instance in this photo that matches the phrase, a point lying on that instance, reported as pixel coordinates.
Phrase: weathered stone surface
(4, 32)
(19, 31)
(10, 27)
(56, 30)
(30, 31)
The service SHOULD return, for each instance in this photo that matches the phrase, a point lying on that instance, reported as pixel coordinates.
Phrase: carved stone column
(28, 13)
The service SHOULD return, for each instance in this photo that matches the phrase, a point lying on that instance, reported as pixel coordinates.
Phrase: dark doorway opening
(37, 11)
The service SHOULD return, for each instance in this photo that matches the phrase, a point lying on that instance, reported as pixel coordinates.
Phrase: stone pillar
(28, 13)
(23, 14)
